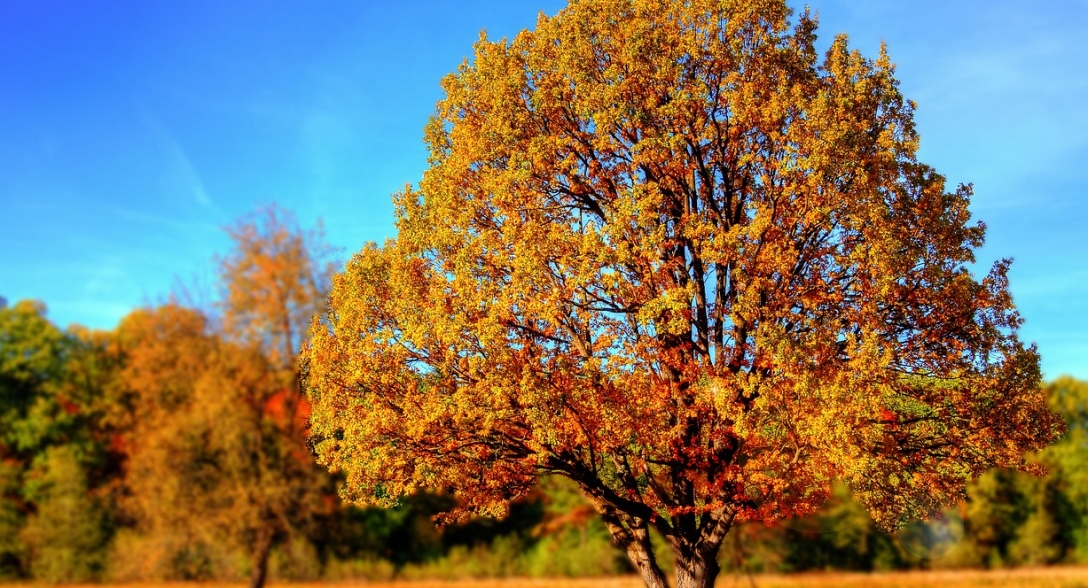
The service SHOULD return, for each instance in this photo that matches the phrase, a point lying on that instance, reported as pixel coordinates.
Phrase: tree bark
(697, 571)
(641, 555)
(263, 549)
(632, 535)
(695, 542)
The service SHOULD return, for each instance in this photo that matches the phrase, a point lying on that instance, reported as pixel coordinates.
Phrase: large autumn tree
(666, 249)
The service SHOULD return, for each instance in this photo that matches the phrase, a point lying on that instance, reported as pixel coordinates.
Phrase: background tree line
(174, 447)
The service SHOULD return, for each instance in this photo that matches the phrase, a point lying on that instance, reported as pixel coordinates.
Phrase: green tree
(993, 510)
(1038, 538)
(572, 539)
(56, 476)
(31, 360)
(68, 533)
(1067, 459)
(842, 536)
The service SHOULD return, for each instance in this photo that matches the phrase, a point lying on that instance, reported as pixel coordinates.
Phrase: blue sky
(132, 131)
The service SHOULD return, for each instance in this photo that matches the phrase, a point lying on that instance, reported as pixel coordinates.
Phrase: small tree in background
(273, 283)
(665, 250)
(56, 479)
(32, 356)
(67, 534)
(181, 494)
(1067, 459)
(220, 425)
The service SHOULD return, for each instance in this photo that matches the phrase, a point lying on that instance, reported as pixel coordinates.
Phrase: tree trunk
(697, 571)
(696, 551)
(641, 554)
(632, 535)
(261, 552)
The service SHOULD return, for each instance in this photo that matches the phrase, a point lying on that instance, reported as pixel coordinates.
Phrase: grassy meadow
(1053, 577)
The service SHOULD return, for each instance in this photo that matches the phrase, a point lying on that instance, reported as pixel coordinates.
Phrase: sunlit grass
(1060, 577)
(1064, 577)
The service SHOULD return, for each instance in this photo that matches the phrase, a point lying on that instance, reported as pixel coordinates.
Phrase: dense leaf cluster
(669, 251)
(157, 451)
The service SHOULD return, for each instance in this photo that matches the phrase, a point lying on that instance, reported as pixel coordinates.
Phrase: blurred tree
(220, 425)
(993, 510)
(274, 281)
(178, 489)
(841, 536)
(57, 476)
(1068, 460)
(215, 462)
(666, 250)
(32, 352)
(92, 384)
(12, 519)
(571, 539)
(67, 533)
(1038, 539)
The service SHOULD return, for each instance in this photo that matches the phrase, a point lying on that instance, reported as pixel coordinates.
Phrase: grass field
(1063, 577)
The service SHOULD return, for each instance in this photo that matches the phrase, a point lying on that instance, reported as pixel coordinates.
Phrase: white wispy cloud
(178, 160)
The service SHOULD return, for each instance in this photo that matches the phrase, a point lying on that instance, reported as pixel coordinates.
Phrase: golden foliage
(217, 452)
(666, 250)
(273, 281)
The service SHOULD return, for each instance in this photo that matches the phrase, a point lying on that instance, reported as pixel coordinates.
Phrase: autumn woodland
(674, 297)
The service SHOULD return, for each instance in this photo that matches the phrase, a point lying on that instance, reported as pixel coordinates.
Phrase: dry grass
(1063, 577)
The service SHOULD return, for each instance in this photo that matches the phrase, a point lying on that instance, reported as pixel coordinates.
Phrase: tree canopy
(272, 283)
(219, 423)
(666, 249)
